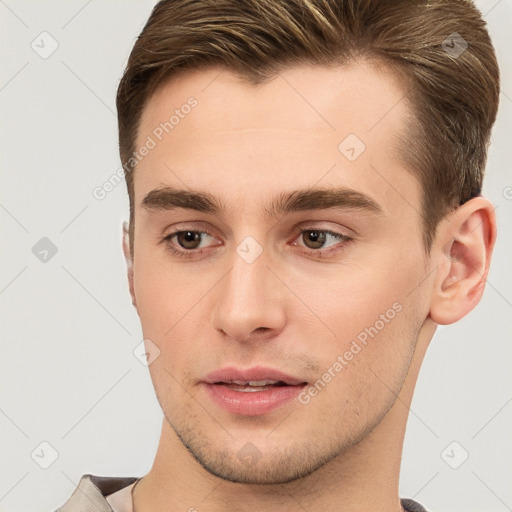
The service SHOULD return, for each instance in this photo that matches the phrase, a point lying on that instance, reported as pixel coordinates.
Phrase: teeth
(254, 389)
(251, 386)
(255, 382)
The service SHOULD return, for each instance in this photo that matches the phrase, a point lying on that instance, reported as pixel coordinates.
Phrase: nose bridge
(246, 300)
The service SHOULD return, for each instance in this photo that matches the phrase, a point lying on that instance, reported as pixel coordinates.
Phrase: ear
(462, 252)
(129, 261)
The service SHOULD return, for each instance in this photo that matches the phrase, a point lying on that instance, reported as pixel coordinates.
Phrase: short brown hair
(454, 93)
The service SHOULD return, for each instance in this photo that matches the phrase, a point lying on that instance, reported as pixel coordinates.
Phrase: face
(278, 262)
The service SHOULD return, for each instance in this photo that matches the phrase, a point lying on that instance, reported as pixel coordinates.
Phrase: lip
(232, 374)
(251, 403)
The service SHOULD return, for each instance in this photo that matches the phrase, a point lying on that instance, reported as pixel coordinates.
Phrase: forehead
(308, 125)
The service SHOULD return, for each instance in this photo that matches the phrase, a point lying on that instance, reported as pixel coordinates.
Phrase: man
(305, 208)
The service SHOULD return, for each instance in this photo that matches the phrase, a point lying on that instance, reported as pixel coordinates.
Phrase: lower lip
(252, 403)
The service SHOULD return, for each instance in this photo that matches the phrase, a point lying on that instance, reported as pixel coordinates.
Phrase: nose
(249, 302)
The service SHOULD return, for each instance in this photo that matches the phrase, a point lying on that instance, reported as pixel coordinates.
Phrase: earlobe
(462, 252)
(129, 261)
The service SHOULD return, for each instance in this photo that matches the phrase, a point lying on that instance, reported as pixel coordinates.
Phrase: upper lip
(256, 373)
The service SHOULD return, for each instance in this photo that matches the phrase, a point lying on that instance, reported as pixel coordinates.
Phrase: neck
(365, 477)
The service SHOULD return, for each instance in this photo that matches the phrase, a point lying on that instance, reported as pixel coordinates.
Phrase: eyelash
(343, 241)
(322, 253)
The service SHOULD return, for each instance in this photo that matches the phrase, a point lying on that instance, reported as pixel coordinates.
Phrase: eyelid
(199, 226)
(327, 226)
(328, 231)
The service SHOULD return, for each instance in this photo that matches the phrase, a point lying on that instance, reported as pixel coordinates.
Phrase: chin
(261, 473)
(251, 466)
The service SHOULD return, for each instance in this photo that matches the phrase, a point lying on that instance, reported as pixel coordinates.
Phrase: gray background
(68, 374)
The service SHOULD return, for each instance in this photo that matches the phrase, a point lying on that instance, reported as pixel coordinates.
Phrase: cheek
(363, 367)
(348, 299)
(366, 305)
(163, 295)
(167, 306)
(171, 306)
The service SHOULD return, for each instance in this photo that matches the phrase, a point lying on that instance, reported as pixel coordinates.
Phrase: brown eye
(189, 239)
(314, 239)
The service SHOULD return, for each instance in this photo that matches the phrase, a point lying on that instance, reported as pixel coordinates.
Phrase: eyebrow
(169, 198)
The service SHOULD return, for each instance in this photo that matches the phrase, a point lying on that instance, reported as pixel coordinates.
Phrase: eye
(190, 239)
(315, 239)
(316, 242)
(188, 242)
(321, 241)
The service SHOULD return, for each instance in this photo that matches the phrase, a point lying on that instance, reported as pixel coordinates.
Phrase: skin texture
(292, 309)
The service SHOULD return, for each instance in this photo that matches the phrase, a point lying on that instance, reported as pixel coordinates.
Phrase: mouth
(253, 386)
(252, 392)
(255, 377)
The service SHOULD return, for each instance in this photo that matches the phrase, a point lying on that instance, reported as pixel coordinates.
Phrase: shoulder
(91, 493)
(412, 506)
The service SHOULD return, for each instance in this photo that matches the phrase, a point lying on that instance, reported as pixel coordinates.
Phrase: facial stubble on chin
(279, 467)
